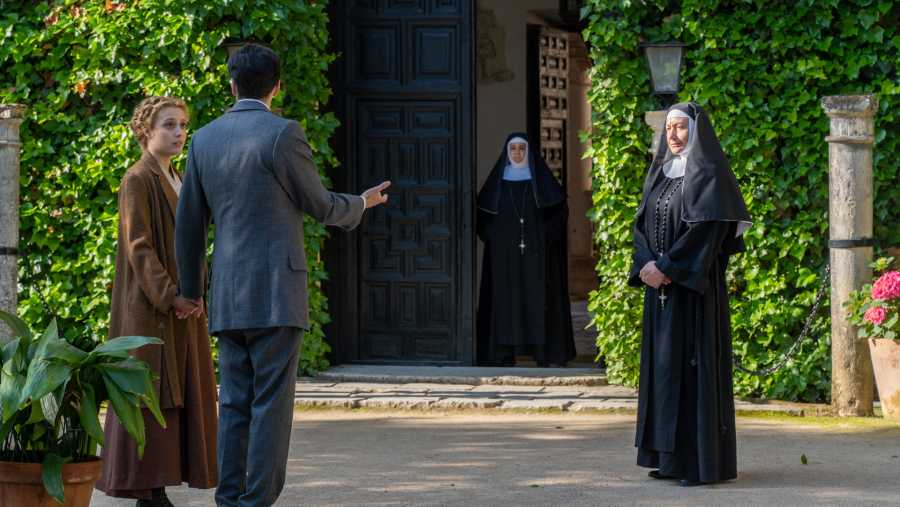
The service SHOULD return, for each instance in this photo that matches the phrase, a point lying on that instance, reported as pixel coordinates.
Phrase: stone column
(657, 121)
(851, 216)
(582, 263)
(11, 115)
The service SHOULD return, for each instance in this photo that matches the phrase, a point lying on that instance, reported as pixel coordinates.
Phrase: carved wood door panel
(548, 93)
(405, 104)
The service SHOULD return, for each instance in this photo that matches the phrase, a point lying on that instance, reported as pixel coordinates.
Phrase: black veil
(710, 192)
(547, 190)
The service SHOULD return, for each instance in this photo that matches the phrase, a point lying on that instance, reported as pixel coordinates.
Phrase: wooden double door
(401, 288)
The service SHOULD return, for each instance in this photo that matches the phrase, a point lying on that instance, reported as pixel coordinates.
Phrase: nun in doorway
(523, 306)
(690, 221)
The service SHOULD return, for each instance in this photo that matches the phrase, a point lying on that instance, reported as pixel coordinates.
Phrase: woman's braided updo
(145, 115)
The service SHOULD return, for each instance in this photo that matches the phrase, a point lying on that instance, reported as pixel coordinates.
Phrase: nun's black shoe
(691, 482)
(508, 361)
(543, 364)
(656, 475)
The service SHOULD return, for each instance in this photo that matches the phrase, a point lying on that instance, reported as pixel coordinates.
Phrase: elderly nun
(690, 221)
(523, 307)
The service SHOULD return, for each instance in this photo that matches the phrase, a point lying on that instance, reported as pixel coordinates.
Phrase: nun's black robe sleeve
(642, 253)
(688, 261)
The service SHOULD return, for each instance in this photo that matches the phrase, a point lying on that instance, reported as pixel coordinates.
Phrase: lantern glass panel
(665, 67)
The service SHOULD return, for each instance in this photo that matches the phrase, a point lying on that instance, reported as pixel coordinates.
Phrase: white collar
(261, 102)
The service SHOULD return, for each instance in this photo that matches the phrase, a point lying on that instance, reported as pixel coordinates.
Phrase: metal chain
(38, 289)
(787, 357)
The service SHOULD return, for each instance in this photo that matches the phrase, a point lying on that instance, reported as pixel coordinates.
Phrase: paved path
(503, 397)
(474, 458)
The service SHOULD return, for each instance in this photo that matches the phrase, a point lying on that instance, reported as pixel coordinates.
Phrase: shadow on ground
(475, 458)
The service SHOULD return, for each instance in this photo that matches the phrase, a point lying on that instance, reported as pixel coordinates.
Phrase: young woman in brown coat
(145, 302)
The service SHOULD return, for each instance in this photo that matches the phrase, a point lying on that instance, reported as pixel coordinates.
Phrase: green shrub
(760, 68)
(81, 67)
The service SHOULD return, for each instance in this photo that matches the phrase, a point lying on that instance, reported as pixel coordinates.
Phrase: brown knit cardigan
(146, 277)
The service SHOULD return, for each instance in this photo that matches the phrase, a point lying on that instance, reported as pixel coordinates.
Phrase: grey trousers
(258, 369)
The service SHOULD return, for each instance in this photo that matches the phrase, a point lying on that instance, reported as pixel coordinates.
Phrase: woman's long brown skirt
(183, 451)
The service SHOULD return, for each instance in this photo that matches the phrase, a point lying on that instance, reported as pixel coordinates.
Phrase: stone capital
(657, 121)
(852, 118)
(12, 111)
(838, 106)
(11, 115)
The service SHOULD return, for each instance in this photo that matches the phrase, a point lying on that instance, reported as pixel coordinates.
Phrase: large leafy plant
(760, 69)
(81, 67)
(50, 394)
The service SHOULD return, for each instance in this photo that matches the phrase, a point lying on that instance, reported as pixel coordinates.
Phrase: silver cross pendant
(662, 297)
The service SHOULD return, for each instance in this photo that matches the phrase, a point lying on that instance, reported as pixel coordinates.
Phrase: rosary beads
(661, 239)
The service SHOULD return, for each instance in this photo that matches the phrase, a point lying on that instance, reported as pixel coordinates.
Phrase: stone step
(438, 395)
(418, 396)
(537, 403)
(465, 375)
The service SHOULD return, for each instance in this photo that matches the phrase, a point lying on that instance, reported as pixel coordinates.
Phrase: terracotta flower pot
(21, 484)
(886, 361)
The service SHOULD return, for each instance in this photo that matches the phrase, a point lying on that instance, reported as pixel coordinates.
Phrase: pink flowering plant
(876, 307)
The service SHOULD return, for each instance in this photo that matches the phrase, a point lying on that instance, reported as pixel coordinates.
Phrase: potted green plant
(50, 395)
(876, 310)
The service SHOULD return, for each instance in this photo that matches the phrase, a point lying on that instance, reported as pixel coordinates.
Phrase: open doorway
(532, 75)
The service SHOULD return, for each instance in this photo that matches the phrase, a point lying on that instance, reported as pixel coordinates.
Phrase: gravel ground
(489, 458)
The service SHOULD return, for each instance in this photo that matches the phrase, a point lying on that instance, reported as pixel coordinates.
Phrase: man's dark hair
(255, 70)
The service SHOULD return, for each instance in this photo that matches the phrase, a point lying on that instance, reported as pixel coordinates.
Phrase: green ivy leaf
(867, 18)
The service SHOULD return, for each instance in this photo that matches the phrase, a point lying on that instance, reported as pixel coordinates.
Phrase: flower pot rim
(72, 473)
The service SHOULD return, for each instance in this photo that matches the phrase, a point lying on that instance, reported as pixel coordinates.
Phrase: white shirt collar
(254, 100)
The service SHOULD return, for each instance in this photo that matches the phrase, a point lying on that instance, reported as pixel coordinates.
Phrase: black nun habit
(690, 222)
(523, 306)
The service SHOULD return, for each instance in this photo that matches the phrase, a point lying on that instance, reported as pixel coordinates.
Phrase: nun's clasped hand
(653, 276)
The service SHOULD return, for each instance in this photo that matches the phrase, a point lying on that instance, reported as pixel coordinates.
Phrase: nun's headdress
(710, 192)
(547, 191)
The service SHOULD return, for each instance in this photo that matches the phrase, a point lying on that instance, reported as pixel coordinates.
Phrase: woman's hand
(185, 307)
(652, 276)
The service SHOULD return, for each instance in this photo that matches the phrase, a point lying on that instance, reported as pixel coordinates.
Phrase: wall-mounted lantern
(570, 12)
(234, 45)
(665, 61)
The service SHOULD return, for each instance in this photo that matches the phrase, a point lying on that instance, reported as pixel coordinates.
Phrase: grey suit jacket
(253, 175)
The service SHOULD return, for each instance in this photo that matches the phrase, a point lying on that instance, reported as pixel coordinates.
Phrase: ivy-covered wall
(81, 67)
(759, 68)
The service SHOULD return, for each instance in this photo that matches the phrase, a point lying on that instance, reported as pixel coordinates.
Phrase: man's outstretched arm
(296, 170)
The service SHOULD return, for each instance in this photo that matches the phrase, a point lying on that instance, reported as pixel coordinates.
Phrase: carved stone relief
(490, 48)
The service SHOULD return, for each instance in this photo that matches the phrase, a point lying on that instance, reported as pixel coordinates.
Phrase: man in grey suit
(253, 174)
